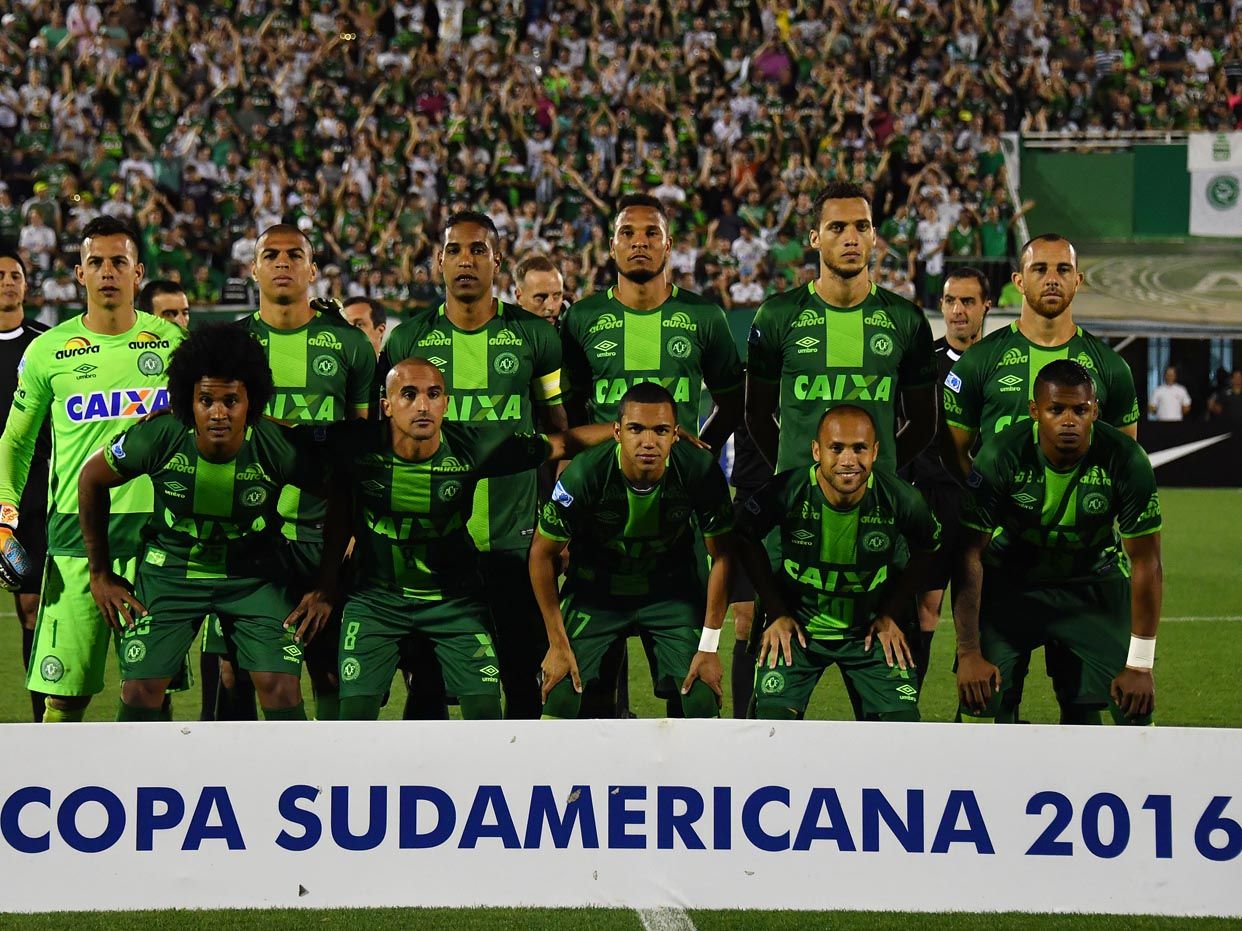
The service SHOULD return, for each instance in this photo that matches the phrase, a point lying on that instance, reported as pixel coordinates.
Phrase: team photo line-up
(493, 500)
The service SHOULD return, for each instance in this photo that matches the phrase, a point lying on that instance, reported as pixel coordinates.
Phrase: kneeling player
(413, 478)
(840, 524)
(1043, 562)
(632, 509)
(212, 544)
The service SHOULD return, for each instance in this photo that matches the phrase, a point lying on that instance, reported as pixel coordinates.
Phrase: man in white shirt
(1170, 401)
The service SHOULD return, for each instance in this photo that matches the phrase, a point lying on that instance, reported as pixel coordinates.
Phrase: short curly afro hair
(224, 351)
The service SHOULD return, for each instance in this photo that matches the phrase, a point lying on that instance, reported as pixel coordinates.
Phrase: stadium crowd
(368, 123)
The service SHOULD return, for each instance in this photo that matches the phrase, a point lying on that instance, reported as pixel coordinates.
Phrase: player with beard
(16, 333)
(644, 328)
(991, 387)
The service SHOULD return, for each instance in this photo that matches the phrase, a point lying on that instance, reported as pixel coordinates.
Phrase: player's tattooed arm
(544, 563)
(920, 404)
(112, 593)
(1134, 689)
(761, 400)
(977, 679)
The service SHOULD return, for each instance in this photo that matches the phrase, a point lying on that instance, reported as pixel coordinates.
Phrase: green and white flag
(1215, 164)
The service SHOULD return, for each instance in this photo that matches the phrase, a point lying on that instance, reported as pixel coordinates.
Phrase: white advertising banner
(641, 814)
(1215, 164)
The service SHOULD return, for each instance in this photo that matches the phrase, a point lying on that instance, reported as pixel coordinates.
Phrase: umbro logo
(808, 344)
(1026, 499)
(606, 346)
(802, 536)
(1010, 383)
(438, 362)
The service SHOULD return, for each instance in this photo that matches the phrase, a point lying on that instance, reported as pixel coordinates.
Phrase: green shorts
(214, 643)
(881, 689)
(71, 637)
(252, 614)
(376, 625)
(1088, 621)
(671, 626)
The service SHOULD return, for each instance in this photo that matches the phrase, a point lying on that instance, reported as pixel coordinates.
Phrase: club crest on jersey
(111, 405)
(1095, 503)
(953, 382)
(561, 496)
(324, 340)
(449, 490)
(254, 496)
(875, 542)
(150, 363)
(505, 364)
(681, 321)
(605, 322)
(324, 366)
(882, 344)
(679, 347)
(77, 346)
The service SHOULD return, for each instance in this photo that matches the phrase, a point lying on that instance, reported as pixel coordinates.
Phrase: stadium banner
(1215, 164)
(641, 814)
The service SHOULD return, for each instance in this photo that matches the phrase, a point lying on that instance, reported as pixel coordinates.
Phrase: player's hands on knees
(311, 614)
(558, 663)
(891, 640)
(706, 667)
(777, 641)
(977, 680)
(116, 600)
(1134, 691)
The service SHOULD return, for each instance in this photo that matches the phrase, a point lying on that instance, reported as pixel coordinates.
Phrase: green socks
(328, 706)
(126, 712)
(361, 708)
(296, 713)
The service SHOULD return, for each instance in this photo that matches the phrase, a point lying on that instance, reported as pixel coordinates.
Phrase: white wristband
(709, 640)
(1142, 653)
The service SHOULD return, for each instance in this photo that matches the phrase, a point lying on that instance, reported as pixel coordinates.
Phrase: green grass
(591, 919)
(1196, 658)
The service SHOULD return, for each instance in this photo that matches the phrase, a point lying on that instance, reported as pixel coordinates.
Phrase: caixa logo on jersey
(111, 405)
(78, 346)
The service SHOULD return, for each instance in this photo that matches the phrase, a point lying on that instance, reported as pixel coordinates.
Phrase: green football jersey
(91, 384)
(991, 385)
(823, 355)
(324, 372)
(683, 344)
(628, 542)
(834, 565)
(497, 373)
(212, 520)
(1055, 527)
(410, 517)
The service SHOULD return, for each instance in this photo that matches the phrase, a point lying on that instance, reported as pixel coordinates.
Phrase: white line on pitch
(948, 622)
(665, 919)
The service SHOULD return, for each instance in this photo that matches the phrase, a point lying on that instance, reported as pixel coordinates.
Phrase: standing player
(840, 526)
(993, 384)
(323, 371)
(212, 544)
(1062, 545)
(540, 288)
(646, 329)
(502, 365)
(840, 339)
(633, 509)
(16, 333)
(166, 299)
(964, 304)
(87, 373)
(413, 477)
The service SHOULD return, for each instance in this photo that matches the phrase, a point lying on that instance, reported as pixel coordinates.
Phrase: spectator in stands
(1169, 401)
(1225, 405)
